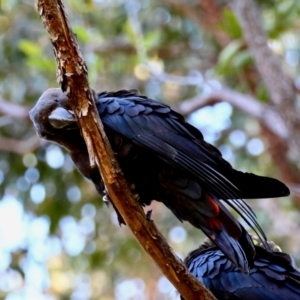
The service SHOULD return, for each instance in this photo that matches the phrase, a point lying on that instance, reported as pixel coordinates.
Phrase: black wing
(155, 126)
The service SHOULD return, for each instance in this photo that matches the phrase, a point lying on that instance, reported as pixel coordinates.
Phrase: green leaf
(242, 59)
(30, 48)
(41, 63)
(230, 24)
(152, 39)
(226, 56)
(285, 7)
(129, 32)
(82, 34)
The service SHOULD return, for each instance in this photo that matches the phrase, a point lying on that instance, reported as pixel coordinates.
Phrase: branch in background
(72, 75)
(115, 44)
(13, 110)
(203, 18)
(122, 44)
(264, 113)
(20, 147)
(278, 149)
(280, 86)
(213, 16)
(6, 120)
(132, 8)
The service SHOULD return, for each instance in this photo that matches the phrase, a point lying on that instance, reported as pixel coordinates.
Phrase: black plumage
(271, 276)
(165, 159)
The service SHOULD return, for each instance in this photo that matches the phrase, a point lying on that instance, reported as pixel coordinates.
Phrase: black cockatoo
(271, 275)
(165, 159)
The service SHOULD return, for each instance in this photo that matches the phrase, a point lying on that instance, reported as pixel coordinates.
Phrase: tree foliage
(58, 240)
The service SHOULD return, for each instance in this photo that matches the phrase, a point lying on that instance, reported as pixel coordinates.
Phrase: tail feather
(233, 250)
(253, 186)
(225, 232)
(231, 225)
(208, 213)
(248, 246)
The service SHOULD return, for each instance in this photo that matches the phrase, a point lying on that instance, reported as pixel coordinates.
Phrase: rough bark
(72, 75)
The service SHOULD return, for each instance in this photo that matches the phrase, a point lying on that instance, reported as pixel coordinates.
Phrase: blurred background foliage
(57, 240)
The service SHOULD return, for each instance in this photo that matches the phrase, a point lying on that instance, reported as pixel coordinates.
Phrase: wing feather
(156, 127)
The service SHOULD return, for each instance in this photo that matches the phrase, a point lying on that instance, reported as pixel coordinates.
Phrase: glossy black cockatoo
(165, 159)
(271, 275)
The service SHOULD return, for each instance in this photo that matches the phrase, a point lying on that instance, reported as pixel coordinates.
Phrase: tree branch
(14, 110)
(205, 20)
(213, 17)
(278, 149)
(123, 45)
(72, 75)
(265, 113)
(19, 147)
(279, 85)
